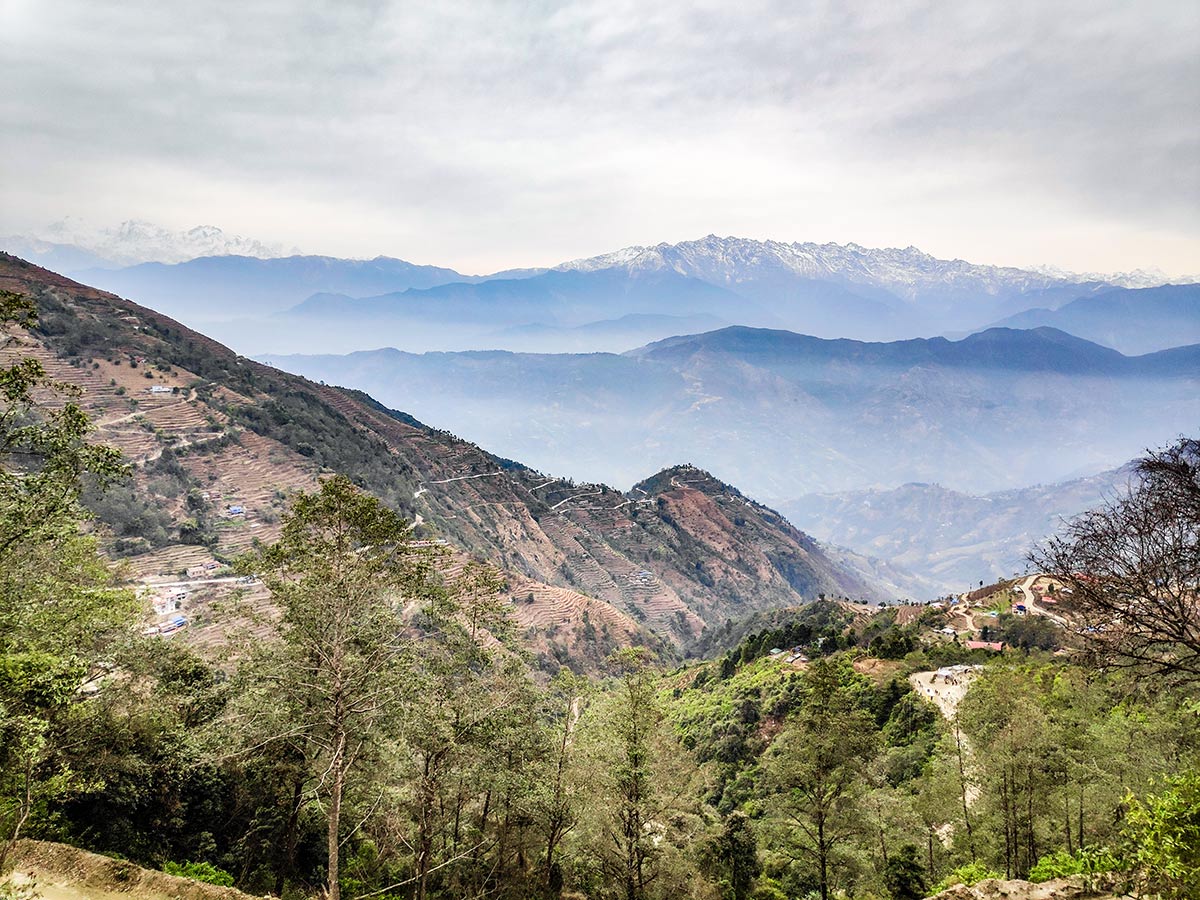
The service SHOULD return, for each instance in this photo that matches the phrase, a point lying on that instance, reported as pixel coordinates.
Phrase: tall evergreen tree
(331, 687)
(817, 764)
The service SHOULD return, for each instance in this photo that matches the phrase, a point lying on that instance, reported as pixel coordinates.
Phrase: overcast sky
(485, 135)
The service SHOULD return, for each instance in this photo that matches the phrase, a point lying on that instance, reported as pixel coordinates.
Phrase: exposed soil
(60, 872)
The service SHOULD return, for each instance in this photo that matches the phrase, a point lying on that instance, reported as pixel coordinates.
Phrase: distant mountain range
(679, 551)
(71, 245)
(785, 415)
(223, 287)
(950, 537)
(819, 287)
(1132, 321)
(313, 303)
(828, 290)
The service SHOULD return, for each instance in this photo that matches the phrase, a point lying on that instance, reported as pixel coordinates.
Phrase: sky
(485, 135)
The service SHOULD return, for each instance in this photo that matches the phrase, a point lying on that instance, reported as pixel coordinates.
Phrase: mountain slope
(556, 298)
(214, 287)
(952, 537)
(1132, 321)
(212, 431)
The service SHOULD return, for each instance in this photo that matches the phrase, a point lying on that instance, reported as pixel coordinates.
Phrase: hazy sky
(492, 134)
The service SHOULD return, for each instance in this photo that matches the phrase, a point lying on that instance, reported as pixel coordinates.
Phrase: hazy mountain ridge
(1037, 349)
(782, 415)
(215, 287)
(647, 556)
(1138, 320)
(828, 290)
(554, 298)
(952, 537)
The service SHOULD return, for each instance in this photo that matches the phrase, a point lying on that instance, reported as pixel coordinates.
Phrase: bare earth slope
(60, 872)
(219, 440)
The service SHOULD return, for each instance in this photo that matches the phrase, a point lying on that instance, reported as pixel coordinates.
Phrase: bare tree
(1133, 568)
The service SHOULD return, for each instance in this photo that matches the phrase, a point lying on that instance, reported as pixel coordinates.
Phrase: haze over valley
(788, 369)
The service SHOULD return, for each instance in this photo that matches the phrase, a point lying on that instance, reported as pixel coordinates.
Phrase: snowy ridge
(904, 272)
(135, 241)
(1138, 278)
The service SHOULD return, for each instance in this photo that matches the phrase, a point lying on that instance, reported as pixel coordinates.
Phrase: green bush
(1164, 836)
(199, 871)
(1090, 861)
(969, 874)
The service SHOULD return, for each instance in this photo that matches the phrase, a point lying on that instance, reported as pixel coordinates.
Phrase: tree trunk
(335, 815)
(291, 838)
(1081, 817)
(823, 856)
(20, 816)
(962, 780)
(425, 828)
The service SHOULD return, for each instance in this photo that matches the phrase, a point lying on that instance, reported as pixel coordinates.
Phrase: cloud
(495, 133)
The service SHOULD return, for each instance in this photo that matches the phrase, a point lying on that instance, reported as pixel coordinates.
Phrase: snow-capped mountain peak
(136, 241)
(903, 272)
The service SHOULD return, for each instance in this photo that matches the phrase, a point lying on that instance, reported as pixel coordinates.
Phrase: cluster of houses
(169, 602)
(795, 656)
(168, 628)
(232, 510)
(200, 571)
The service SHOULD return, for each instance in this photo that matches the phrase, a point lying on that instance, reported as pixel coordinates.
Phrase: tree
(331, 687)
(1164, 832)
(44, 452)
(61, 609)
(732, 856)
(555, 805)
(630, 799)
(1133, 568)
(817, 764)
(903, 875)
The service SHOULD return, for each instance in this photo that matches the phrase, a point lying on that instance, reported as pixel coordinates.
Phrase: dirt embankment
(60, 872)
